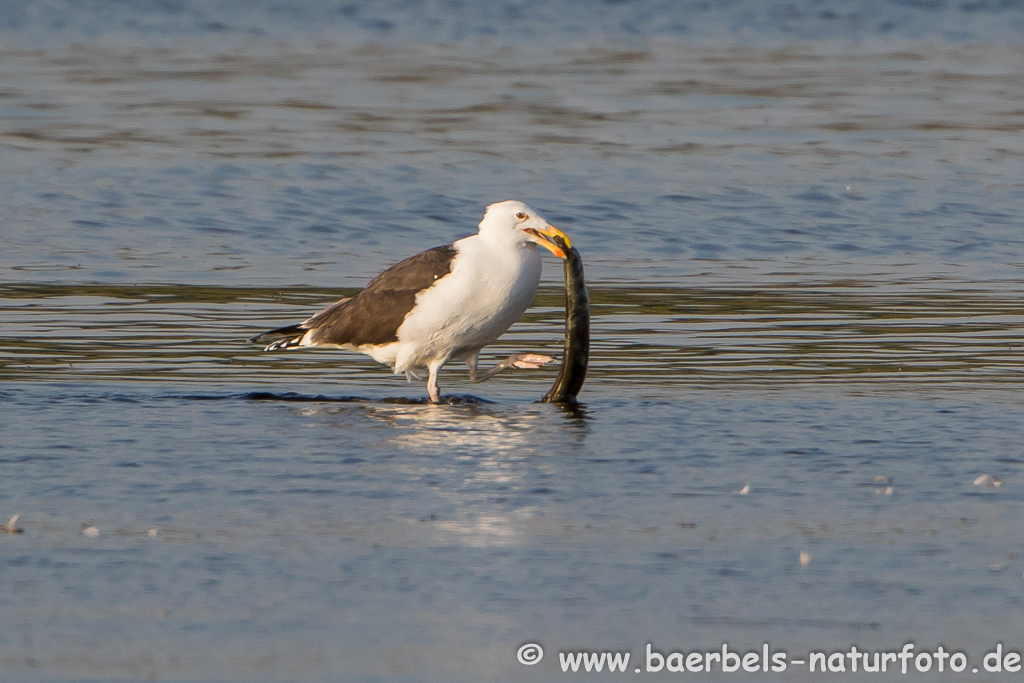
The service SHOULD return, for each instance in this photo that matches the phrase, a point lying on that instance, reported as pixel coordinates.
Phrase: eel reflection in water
(577, 330)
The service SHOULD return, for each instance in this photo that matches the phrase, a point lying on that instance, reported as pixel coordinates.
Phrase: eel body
(573, 371)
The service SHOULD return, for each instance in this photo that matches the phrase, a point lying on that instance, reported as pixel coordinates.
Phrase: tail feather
(284, 344)
(292, 334)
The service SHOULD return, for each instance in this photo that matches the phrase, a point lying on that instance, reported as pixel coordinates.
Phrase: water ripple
(641, 336)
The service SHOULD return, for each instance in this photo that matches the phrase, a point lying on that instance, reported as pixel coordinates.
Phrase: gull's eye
(520, 215)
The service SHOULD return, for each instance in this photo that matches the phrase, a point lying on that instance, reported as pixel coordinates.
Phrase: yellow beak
(551, 238)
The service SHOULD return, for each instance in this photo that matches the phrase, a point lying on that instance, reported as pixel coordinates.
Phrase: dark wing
(374, 315)
(291, 335)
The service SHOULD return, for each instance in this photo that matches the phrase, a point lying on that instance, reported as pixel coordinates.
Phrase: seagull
(441, 304)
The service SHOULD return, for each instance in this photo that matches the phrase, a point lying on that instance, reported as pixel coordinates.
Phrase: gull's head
(518, 222)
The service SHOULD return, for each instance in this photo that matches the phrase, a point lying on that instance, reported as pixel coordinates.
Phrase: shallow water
(647, 340)
(802, 230)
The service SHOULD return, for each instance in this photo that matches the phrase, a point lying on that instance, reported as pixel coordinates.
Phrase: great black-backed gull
(444, 303)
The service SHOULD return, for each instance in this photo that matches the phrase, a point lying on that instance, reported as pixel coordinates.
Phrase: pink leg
(516, 360)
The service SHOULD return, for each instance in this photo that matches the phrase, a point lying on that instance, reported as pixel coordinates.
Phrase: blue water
(801, 224)
(551, 24)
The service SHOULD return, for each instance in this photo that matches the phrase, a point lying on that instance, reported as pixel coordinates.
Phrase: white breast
(488, 290)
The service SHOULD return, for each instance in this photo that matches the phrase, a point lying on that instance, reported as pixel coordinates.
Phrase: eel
(573, 371)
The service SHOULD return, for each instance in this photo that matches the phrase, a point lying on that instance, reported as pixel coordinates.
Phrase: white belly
(487, 290)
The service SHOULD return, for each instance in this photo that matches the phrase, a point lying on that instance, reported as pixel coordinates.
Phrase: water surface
(801, 225)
